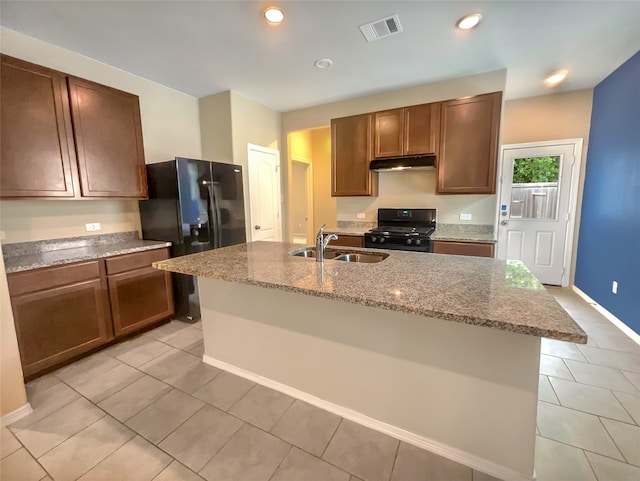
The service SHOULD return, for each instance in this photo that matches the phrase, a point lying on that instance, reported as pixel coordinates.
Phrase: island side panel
(466, 391)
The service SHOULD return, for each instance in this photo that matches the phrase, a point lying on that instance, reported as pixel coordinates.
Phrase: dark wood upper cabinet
(108, 134)
(469, 145)
(422, 129)
(389, 133)
(37, 151)
(64, 137)
(407, 131)
(350, 157)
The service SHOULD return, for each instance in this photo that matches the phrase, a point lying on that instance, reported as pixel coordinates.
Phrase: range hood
(423, 162)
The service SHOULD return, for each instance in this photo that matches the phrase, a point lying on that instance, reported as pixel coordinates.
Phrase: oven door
(391, 242)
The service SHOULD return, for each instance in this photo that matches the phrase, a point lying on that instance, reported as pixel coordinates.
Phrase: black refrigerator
(196, 205)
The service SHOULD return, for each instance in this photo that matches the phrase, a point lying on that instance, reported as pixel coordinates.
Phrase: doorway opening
(538, 201)
(301, 201)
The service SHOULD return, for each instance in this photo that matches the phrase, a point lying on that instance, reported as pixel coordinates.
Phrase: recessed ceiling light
(323, 63)
(555, 78)
(469, 21)
(274, 15)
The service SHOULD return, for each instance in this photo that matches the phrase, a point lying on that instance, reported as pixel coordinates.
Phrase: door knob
(503, 222)
(256, 227)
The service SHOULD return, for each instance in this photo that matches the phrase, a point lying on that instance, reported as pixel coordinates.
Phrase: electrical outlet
(614, 287)
(360, 215)
(464, 216)
(93, 227)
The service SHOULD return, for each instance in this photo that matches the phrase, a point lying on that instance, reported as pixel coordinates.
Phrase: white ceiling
(205, 47)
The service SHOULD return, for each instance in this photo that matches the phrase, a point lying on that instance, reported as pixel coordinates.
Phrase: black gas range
(403, 229)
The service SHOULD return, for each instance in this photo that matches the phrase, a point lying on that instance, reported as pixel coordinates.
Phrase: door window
(534, 191)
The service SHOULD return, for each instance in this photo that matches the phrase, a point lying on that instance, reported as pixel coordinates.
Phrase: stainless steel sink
(311, 253)
(329, 254)
(364, 258)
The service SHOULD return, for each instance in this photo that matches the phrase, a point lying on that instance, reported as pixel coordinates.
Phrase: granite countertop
(471, 290)
(25, 256)
(480, 233)
(444, 232)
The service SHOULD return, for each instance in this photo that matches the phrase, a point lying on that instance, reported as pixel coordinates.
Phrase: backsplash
(416, 190)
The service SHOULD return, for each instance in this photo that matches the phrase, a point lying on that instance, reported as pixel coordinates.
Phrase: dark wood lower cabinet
(463, 248)
(138, 298)
(348, 241)
(63, 312)
(59, 322)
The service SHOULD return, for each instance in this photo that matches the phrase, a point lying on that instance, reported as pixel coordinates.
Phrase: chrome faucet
(321, 243)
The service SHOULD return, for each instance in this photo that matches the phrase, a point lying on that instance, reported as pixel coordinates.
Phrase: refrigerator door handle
(214, 215)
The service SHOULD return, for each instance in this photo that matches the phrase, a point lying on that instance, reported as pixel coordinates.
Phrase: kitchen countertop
(471, 290)
(444, 232)
(480, 233)
(26, 256)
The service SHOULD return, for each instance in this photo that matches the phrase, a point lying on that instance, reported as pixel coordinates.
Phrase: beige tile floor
(149, 409)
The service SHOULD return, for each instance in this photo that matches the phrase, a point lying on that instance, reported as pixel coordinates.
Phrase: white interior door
(264, 193)
(536, 197)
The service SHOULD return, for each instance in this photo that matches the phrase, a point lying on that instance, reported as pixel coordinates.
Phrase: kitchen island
(440, 351)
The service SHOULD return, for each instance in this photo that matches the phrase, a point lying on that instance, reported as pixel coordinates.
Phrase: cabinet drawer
(348, 241)
(49, 277)
(137, 260)
(463, 248)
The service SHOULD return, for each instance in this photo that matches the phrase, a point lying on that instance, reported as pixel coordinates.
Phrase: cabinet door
(350, 157)
(108, 135)
(469, 145)
(37, 155)
(421, 129)
(139, 298)
(55, 325)
(388, 137)
(463, 248)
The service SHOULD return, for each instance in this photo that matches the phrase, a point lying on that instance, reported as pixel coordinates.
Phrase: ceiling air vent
(381, 28)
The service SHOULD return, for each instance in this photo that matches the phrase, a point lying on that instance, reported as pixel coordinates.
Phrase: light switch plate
(464, 216)
(360, 215)
(93, 227)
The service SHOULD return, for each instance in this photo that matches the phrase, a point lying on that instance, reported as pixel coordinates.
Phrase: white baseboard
(457, 455)
(618, 323)
(14, 416)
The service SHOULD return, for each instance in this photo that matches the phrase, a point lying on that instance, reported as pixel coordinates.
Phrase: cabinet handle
(256, 227)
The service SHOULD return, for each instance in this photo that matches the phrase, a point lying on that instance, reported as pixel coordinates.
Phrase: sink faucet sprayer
(321, 243)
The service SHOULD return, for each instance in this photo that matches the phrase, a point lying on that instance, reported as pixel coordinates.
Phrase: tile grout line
(280, 463)
(331, 438)
(583, 449)
(635, 423)
(614, 441)
(395, 458)
(22, 446)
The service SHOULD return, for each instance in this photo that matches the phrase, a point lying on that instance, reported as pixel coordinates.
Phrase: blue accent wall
(609, 242)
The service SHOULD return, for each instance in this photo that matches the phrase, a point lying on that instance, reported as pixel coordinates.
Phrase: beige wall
(215, 127)
(324, 206)
(170, 127)
(229, 122)
(552, 117)
(410, 189)
(12, 392)
(299, 145)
